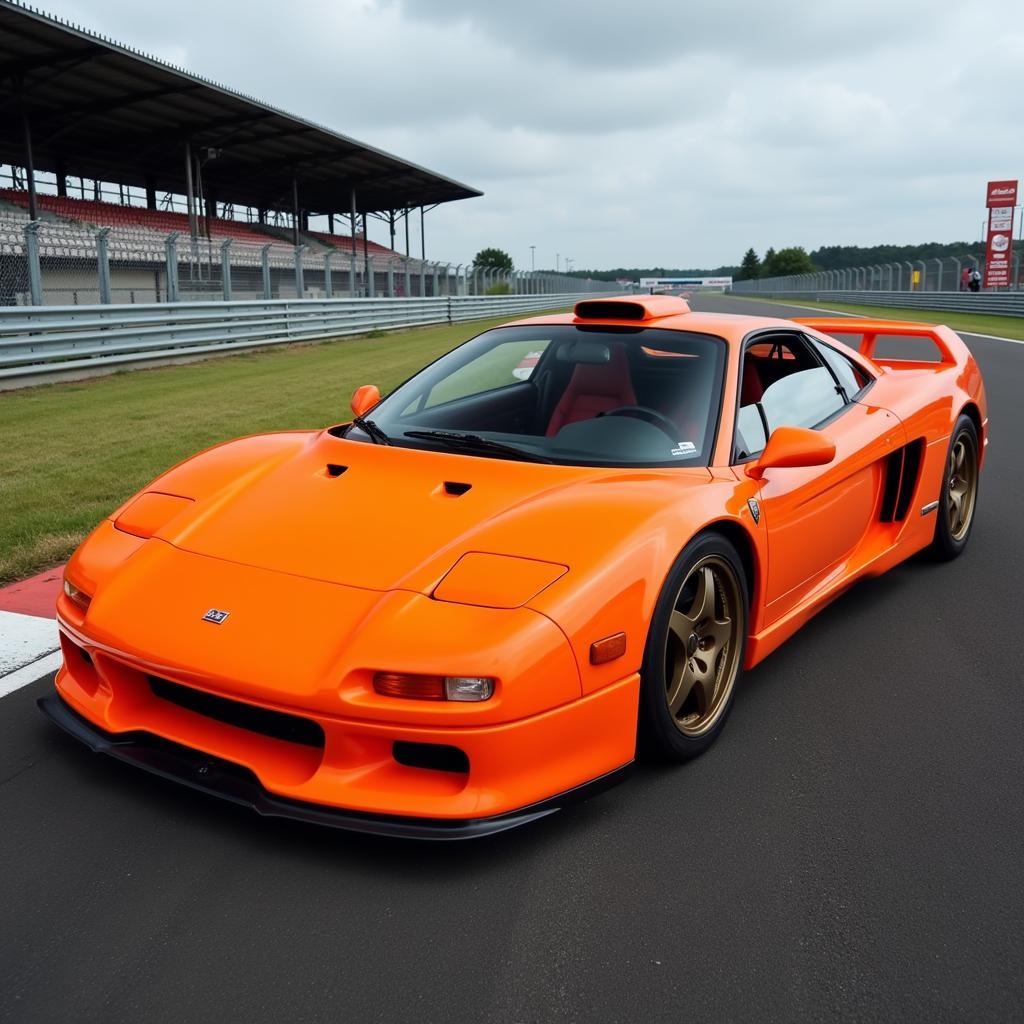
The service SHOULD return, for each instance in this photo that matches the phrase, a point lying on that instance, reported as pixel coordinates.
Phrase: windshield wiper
(471, 441)
(371, 430)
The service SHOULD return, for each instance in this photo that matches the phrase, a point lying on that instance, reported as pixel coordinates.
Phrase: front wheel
(694, 653)
(955, 514)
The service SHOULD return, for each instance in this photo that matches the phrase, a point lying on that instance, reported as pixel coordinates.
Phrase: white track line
(26, 643)
(30, 673)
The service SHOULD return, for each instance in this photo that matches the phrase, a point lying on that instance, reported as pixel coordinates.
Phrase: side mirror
(793, 446)
(365, 398)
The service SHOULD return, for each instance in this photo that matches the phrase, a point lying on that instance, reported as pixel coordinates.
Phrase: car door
(818, 516)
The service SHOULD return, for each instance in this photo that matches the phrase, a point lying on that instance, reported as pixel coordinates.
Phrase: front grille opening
(438, 756)
(275, 724)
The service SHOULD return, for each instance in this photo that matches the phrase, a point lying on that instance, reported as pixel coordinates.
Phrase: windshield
(573, 395)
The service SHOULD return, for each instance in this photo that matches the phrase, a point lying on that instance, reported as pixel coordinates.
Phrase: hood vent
(333, 469)
(640, 307)
(455, 489)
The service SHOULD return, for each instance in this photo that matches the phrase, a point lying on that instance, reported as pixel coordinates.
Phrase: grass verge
(70, 453)
(966, 323)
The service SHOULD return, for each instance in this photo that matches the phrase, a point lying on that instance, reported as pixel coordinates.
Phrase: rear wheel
(959, 497)
(694, 653)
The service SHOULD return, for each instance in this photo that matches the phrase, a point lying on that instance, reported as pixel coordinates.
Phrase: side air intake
(902, 469)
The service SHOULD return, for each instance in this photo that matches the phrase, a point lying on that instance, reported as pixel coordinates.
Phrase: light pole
(568, 264)
(533, 266)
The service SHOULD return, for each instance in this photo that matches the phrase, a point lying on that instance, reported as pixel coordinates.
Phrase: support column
(35, 279)
(371, 284)
(265, 264)
(354, 253)
(190, 195)
(330, 223)
(225, 268)
(62, 179)
(30, 168)
(368, 288)
(171, 250)
(391, 225)
(103, 264)
(300, 284)
(328, 287)
(295, 211)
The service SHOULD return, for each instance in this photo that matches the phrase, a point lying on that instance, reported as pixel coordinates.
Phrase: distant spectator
(975, 283)
(965, 279)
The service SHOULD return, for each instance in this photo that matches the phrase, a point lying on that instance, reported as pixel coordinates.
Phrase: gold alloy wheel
(702, 650)
(962, 487)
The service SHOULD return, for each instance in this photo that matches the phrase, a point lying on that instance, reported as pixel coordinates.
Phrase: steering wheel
(652, 416)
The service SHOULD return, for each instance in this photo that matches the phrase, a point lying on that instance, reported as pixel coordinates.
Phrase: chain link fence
(57, 263)
(937, 274)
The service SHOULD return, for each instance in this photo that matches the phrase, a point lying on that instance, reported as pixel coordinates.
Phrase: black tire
(660, 735)
(948, 542)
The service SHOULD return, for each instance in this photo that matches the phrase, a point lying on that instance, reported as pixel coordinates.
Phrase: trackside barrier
(40, 340)
(996, 303)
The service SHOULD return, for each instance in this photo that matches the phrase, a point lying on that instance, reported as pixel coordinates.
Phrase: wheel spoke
(956, 503)
(681, 626)
(715, 635)
(704, 682)
(679, 686)
(703, 606)
(960, 455)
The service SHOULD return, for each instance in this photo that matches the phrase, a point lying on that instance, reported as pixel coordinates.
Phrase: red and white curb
(29, 647)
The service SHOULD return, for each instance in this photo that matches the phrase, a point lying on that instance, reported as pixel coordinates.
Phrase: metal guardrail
(996, 303)
(37, 341)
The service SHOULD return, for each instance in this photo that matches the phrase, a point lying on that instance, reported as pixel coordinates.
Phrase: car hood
(385, 518)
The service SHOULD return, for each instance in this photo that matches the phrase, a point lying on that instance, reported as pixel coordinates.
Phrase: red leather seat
(594, 389)
(751, 389)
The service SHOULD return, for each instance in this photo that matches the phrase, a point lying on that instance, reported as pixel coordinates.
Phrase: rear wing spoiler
(861, 335)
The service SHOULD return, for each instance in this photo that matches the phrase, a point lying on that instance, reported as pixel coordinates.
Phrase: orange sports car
(560, 544)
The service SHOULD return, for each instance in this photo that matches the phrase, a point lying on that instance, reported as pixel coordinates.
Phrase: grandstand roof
(101, 110)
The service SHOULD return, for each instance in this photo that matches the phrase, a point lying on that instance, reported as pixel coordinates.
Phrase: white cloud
(660, 134)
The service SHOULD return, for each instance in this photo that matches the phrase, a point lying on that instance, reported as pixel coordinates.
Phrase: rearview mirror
(791, 447)
(365, 398)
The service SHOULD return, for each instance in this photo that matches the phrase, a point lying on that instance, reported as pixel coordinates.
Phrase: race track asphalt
(852, 849)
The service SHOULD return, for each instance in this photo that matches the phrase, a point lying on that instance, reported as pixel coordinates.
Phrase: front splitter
(228, 781)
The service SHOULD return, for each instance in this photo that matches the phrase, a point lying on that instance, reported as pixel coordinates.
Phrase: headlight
(417, 687)
(76, 596)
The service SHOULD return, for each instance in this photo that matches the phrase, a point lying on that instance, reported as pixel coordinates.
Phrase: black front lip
(229, 781)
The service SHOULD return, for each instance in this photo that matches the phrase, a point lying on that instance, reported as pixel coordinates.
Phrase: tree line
(796, 260)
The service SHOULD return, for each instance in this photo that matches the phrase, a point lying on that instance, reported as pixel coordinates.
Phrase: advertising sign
(1001, 198)
(671, 283)
(1001, 193)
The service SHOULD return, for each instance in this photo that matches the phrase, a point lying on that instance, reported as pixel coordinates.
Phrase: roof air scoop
(634, 308)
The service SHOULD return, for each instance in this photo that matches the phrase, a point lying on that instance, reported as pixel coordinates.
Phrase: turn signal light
(76, 596)
(608, 649)
(416, 687)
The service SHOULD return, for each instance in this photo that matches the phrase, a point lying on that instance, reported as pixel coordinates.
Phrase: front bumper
(229, 781)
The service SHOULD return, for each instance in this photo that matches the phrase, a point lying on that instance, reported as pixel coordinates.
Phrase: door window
(783, 383)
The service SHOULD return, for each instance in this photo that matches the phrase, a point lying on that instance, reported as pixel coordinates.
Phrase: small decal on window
(684, 448)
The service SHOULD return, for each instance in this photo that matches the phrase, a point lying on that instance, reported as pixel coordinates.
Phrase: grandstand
(215, 189)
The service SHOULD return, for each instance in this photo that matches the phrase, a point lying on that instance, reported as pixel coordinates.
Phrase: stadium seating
(113, 215)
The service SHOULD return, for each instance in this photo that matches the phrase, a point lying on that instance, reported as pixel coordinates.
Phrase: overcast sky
(670, 134)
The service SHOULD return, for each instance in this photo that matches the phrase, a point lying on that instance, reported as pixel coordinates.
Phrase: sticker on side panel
(684, 448)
